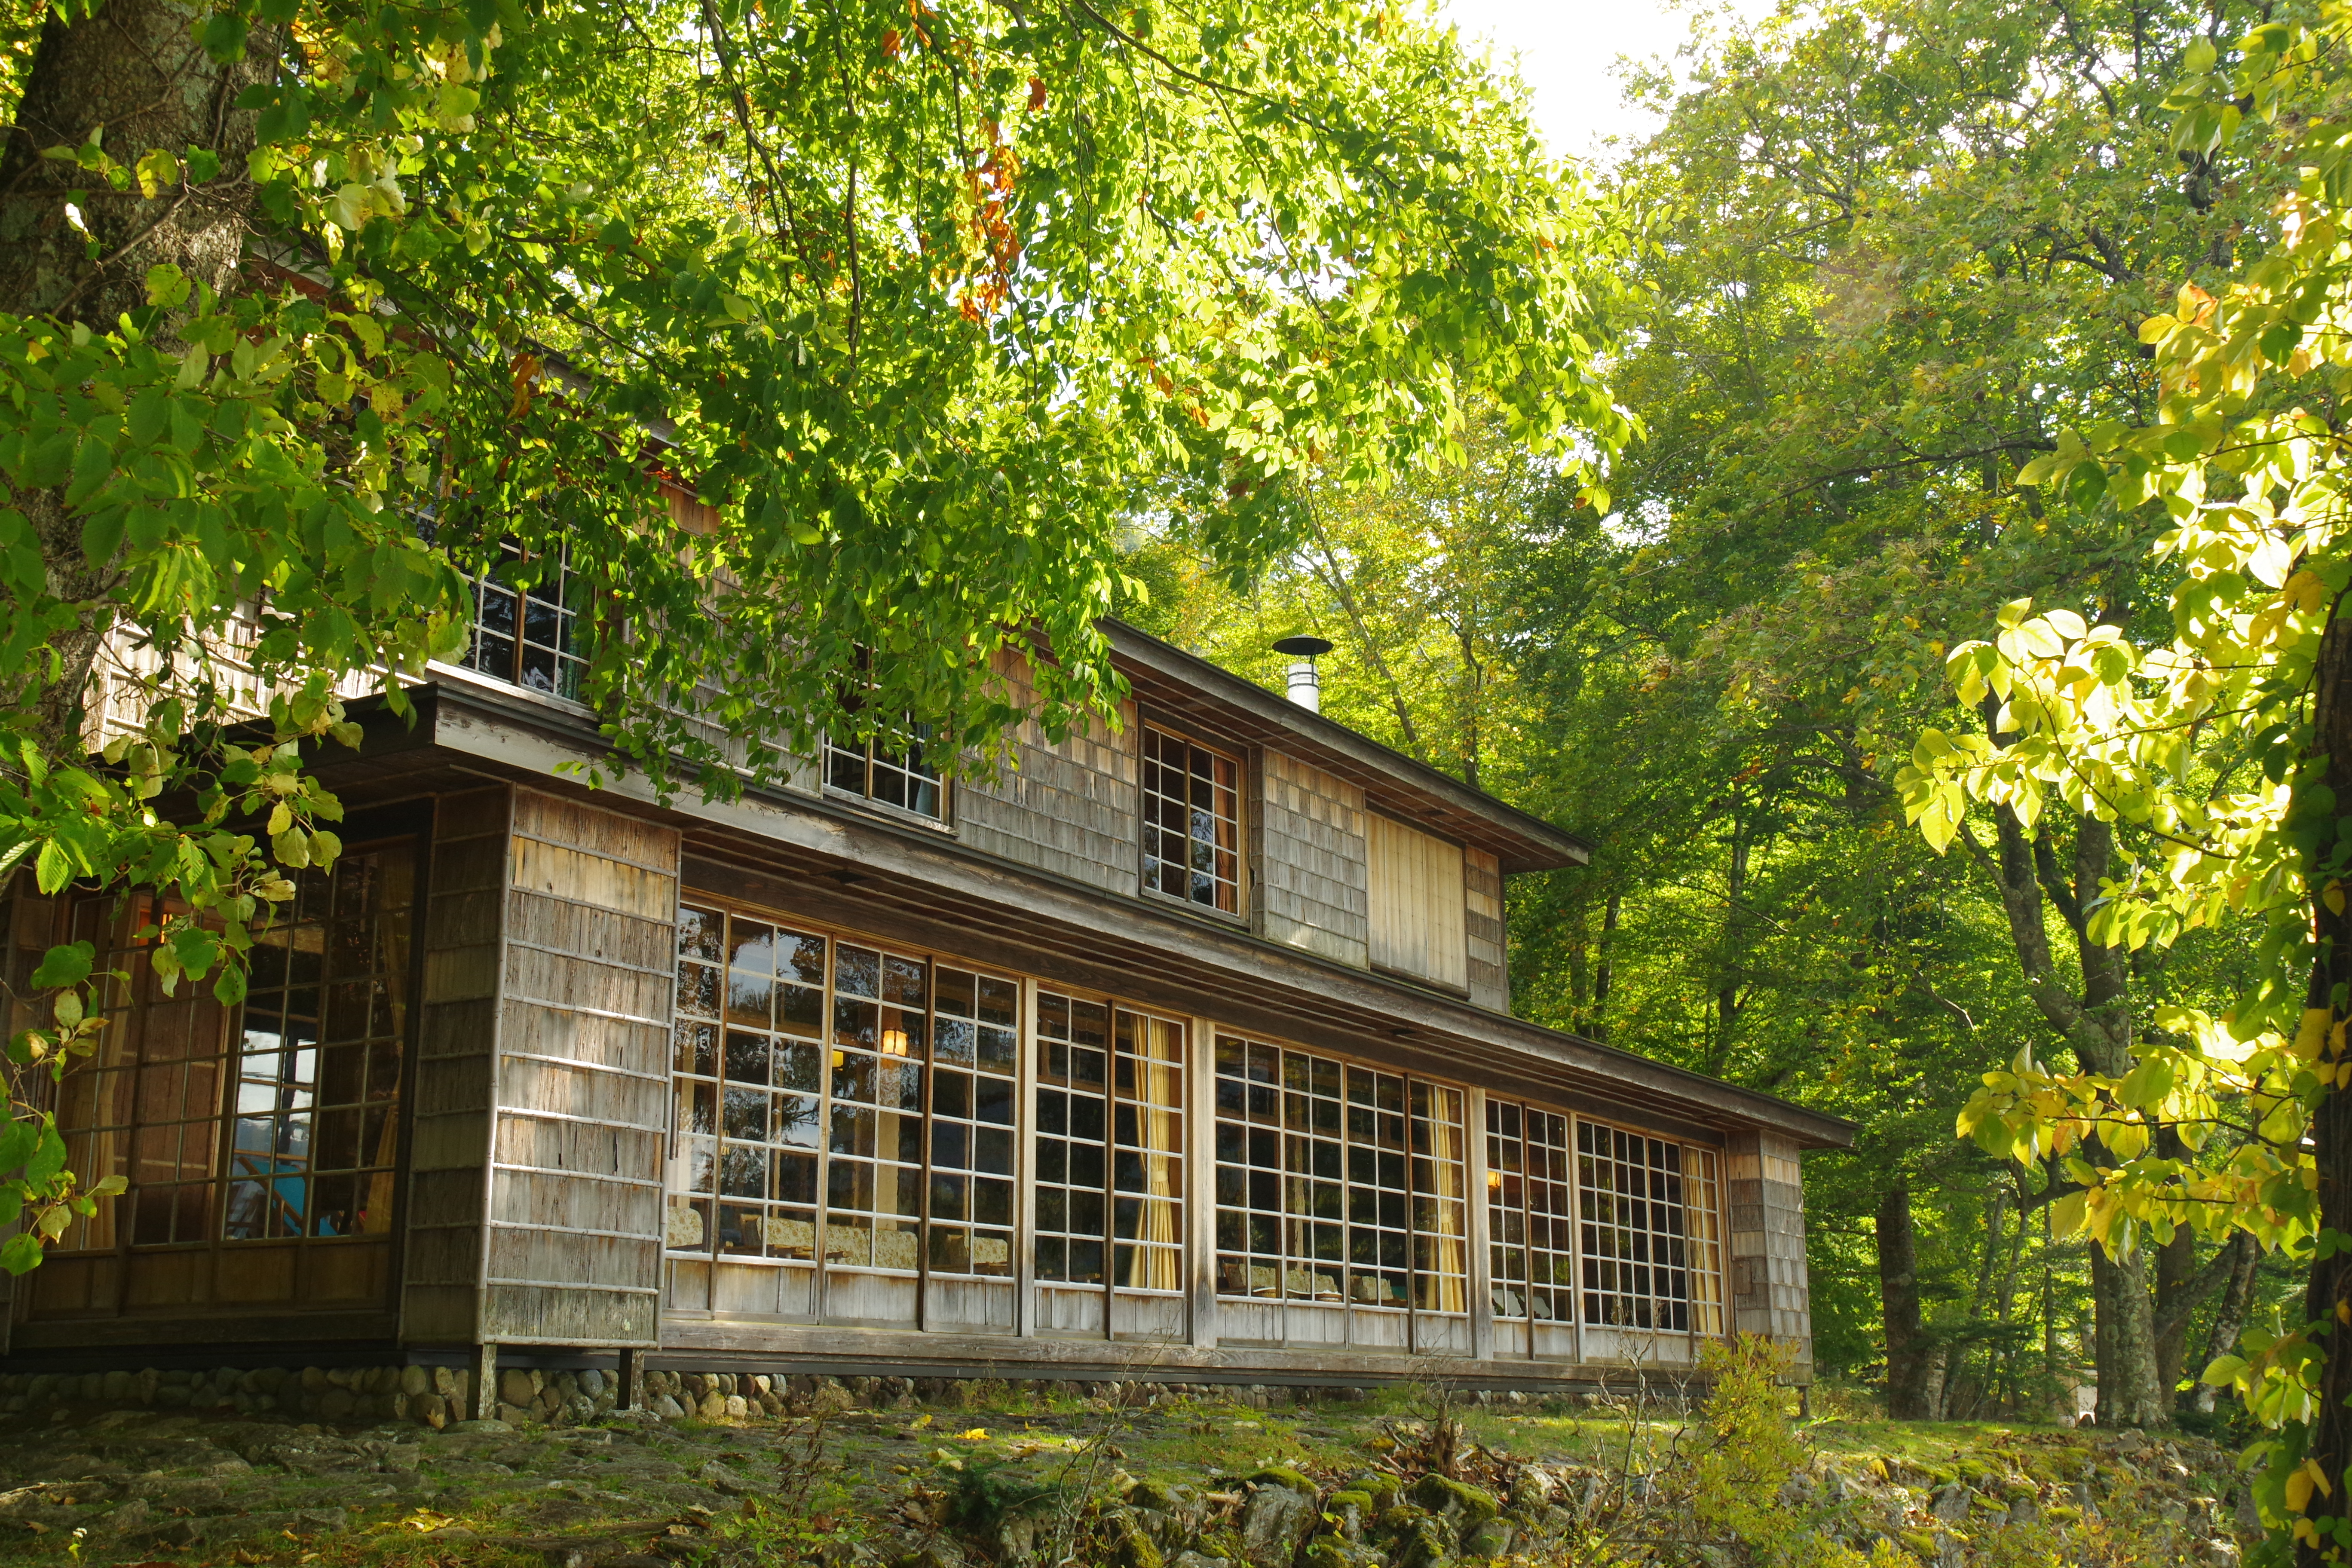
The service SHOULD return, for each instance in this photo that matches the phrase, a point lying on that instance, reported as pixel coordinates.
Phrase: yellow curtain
(1448, 1290)
(1160, 1265)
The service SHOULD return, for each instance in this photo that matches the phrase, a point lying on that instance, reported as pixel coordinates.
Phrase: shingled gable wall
(1068, 807)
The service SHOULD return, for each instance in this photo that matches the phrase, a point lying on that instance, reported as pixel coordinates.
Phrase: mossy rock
(2065, 1514)
(1131, 1545)
(1281, 1475)
(1342, 1500)
(1400, 1518)
(1379, 1485)
(1920, 1544)
(1424, 1548)
(1467, 1504)
(1157, 1495)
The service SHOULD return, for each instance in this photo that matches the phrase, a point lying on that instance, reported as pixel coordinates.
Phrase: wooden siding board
(1419, 904)
(1486, 938)
(574, 1253)
(1068, 808)
(1309, 875)
(1764, 1226)
(452, 1087)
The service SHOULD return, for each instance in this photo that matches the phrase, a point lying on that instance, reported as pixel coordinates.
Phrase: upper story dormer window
(1192, 822)
(526, 635)
(888, 773)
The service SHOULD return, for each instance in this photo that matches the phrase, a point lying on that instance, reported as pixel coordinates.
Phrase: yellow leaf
(2066, 1214)
(977, 1434)
(2312, 1033)
(2299, 1492)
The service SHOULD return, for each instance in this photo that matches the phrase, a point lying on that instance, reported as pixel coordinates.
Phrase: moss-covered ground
(1404, 1478)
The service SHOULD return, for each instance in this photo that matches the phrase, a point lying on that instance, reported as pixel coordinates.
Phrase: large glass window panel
(1639, 1200)
(1110, 1146)
(1319, 1195)
(315, 1128)
(1072, 1142)
(1530, 1218)
(837, 1099)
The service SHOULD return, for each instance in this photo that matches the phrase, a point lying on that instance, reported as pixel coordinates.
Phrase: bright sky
(1567, 48)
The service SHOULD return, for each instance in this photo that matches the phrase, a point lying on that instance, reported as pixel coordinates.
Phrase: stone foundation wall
(437, 1396)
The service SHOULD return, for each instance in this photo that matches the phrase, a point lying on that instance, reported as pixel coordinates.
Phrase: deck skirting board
(701, 1345)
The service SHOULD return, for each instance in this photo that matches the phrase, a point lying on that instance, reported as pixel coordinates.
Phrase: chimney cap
(1304, 646)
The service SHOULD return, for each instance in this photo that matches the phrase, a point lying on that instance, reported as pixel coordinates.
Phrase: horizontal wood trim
(537, 1115)
(575, 1286)
(685, 1338)
(582, 1176)
(582, 1064)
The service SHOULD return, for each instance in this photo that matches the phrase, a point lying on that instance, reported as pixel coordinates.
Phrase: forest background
(1828, 345)
(1891, 252)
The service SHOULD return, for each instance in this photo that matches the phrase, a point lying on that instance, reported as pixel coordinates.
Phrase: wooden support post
(631, 1393)
(1200, 1180)
(1482, 1260)
(1024, 1165)
(483, 1403)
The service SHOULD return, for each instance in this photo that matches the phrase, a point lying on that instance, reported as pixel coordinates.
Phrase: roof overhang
(798, 853)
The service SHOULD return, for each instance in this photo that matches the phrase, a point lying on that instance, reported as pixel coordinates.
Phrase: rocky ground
(989, 1473)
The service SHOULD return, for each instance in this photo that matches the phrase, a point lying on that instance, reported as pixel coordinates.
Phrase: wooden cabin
(1184, 1050)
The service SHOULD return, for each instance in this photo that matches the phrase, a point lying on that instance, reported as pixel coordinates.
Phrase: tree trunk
(133, 75)
(1601, 971)
(2129, 1394)
(1898, 1294)
(1933, 1367)
(2175, 1268)
(2327, 1300)
(2229, 1315)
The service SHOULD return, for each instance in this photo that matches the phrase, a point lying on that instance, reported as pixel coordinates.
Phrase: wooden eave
(832, 861)
(1166, 680)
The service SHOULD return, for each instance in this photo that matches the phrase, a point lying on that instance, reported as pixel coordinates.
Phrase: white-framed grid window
(526, 622)
(1336, 1182)
(1109, 1147)
(1192, 822)
(1531, 1212)
(889, 771)
(1648, 1237)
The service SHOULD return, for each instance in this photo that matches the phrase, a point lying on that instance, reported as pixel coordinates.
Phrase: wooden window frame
(1238, 1109)
(1130, 1062)
(1673, 1167)
(781, 1247)
(562, 656)
(197, 1202)
(1148, 726)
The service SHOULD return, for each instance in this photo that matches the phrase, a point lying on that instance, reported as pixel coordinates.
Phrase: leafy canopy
(829, 345)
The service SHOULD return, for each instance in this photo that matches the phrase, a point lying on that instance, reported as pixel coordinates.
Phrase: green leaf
(17, 1142)
(67, 964)
(20, 1253)
(47, 1158)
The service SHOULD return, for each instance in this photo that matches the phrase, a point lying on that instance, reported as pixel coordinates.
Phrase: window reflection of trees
(838, 1100)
